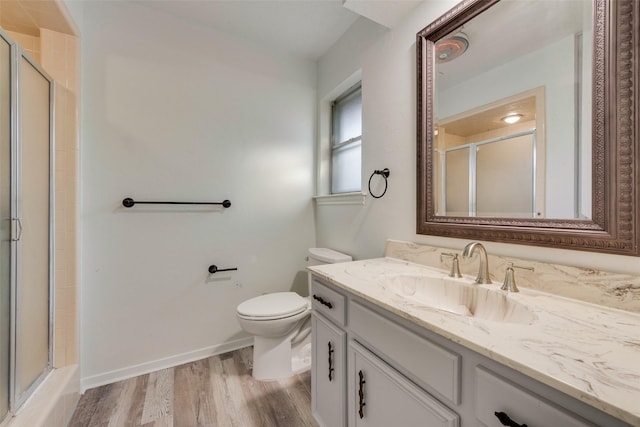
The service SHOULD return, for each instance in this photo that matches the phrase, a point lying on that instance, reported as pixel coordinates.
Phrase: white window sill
(341, 199)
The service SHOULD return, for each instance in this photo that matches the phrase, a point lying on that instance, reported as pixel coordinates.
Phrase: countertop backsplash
(615, 290)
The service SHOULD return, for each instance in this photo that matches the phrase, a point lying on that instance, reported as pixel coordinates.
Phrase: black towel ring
(385, 174)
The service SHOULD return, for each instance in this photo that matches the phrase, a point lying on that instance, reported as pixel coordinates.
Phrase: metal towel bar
(129, 203)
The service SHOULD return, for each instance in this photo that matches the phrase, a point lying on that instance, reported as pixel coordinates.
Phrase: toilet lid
(277, 304)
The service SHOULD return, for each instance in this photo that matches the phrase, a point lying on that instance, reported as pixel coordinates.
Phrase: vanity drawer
(496, 394)
(330, 303)
(429, 364)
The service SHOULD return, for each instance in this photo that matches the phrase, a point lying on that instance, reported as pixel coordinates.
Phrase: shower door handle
(18, 229)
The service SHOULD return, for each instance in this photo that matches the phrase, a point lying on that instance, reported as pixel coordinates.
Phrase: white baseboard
(164, 363)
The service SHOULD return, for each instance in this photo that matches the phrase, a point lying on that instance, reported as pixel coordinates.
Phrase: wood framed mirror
(580, 164)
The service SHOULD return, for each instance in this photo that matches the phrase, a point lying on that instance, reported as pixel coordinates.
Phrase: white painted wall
(386, 60)
(173, 111)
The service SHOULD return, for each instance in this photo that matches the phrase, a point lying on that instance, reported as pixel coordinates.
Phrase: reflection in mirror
(490, 162)
(534, 68)
(560, 169)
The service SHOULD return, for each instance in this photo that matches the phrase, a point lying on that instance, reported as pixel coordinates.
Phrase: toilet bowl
(281, 325)
(275, 320)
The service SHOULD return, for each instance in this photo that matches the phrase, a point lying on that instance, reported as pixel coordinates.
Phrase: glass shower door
(33, 266)
(505, 177)
(5, 223)
(26, 220)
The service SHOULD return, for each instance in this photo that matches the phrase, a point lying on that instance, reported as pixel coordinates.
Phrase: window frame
(337, 145)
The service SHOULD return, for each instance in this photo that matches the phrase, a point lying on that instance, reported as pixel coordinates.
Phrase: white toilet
(281, 325)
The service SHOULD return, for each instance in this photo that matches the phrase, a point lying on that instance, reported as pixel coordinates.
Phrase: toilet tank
(318, 256)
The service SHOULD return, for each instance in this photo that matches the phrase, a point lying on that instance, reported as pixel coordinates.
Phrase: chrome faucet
(455, 264)
(510, 277)
(483, 271)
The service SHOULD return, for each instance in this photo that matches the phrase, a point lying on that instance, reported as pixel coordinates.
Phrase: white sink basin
(455, 296)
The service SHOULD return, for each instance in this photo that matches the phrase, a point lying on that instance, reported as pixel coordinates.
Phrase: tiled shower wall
(59, 58)
(29, 43)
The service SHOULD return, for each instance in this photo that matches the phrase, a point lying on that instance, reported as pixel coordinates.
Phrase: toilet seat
(277, 305)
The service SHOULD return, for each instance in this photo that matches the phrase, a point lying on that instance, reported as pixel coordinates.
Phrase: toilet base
(301, 357)
(274, 358)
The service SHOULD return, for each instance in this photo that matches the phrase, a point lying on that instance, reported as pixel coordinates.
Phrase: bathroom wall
(174, 111)
(386, 61)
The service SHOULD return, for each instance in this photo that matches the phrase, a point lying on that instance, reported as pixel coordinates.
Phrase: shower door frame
(472, 147)
(6, 417)
(17, 398)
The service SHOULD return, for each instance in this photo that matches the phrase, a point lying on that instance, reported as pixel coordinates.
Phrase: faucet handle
(455, 264)
(510, 277)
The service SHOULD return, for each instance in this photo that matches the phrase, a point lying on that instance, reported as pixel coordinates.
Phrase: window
(346, 142)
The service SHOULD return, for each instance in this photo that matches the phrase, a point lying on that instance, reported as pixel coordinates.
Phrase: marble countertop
(587, 351)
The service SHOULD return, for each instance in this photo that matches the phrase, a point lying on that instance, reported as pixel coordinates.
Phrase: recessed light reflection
(512, 118)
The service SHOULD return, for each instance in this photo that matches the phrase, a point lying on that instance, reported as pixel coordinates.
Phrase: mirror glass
(512, 113)
(528, 124)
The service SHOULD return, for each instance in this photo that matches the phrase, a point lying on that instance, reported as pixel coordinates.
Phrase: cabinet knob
(505, 420)
(322, 301)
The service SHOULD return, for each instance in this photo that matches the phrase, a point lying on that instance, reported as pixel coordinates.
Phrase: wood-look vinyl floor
(218, 391)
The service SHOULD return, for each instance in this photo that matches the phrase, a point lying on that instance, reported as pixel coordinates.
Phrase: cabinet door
(381, 396)
(328, 374)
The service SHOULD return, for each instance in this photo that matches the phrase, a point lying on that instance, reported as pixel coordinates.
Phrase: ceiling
(27, 17)
(304, 28)
(510, 30)
(491, 119)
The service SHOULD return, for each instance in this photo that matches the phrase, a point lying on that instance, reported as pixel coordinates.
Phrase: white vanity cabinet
(378, 394)
(381, 397)
(388, 371)
(328, 375)
(328, 370)
(495, 394)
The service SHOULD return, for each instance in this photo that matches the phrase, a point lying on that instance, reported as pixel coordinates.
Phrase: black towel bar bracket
(129, 203)
(214, 269)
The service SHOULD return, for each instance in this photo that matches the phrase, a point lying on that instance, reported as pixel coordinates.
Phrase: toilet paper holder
(214, 269)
